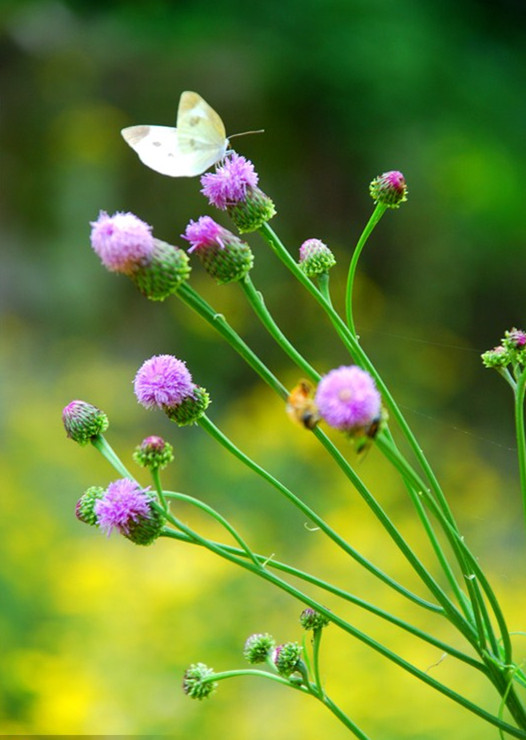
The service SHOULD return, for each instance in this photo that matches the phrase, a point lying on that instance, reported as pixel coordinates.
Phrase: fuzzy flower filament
(223, 255)
(122, 241)
(164, 382)
(127, 507)
(348, 399)
(233, 187)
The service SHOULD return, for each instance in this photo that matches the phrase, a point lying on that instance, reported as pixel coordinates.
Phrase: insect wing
(158, 148)
(201, 132)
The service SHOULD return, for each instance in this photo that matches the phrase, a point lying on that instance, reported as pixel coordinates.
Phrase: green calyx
(168, 268)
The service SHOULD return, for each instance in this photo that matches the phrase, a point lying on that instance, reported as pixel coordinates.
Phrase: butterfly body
(198, 142)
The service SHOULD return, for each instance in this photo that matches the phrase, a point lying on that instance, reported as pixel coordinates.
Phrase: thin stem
(316, 640)
(216, 433)
(361, 636)
(331, 706)
(261, 674)
(346, 596)
(465, 557)
(100, 443)
(218, 321)
(375, 218)
(351, 343)
(158, 487)
(176, 496)
(521, 435)
(256, 301)
(453, 613)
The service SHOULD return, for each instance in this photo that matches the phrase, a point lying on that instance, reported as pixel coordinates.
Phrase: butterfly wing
(198, 142)
(158, 148)
(201, 132)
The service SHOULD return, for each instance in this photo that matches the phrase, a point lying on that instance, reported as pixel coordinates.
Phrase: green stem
(521, 435)
(375, 218)
(256, 301)
(359, 356)
(316, 640)
(465, 557)
(331, 706)
(454, 615)
(345, 595)
(261, 674)
(362, 637)
(219, 323)
(217, 516)
(216, 433)
(100, 444)
(156, 478)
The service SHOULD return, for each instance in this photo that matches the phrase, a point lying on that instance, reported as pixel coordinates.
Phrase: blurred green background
(96, 633)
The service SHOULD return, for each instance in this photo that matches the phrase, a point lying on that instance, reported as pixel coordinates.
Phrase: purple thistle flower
(347, 398)
(205, 232)
(228, 184)
(163, 381)
(123, 504)
(389, 188)
(122, 241)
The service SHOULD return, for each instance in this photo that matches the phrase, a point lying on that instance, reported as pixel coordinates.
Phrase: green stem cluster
(467, 600)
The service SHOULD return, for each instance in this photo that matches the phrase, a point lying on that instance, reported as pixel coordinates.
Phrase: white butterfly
(198, 142)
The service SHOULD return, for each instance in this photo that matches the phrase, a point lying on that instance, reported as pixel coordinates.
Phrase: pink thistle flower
(122, 241)
(228, 184)
(83, 421)
(163, 381)
(347, 398)
(205, 232)
(124, 503)
(389, 188)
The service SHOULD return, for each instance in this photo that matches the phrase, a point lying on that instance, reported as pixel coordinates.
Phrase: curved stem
(345, 595)
(158, 487)
(101, 444)
(256, 301)
(375, 218)
(457, 543)
(218, 321)
(361, 636)
(521, 435)
(217, 516)
(216, 433)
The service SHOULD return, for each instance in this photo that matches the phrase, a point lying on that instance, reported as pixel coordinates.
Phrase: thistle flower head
(389, 188)
(228, 184)
(205, 233)
(310, 619)
(126, 506)
(163, 381)
(511, 351)
(286, 658)
(223, 255)
(514, 339)
(153, 452)
(83, 421)
(167, 269)
(258, 647)
(122, 241)
(197, 683)
(347, 399)
(85, 505)
(315, 257)
(233, 187)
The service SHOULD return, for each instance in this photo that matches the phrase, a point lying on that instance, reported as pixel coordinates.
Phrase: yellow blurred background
(96, 633)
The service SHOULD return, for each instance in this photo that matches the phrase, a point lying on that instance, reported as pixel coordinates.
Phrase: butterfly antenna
(245, 133)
